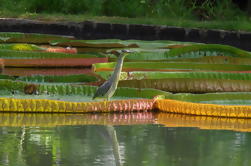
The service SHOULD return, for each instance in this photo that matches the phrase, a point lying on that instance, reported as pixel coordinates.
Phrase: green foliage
(205, 9)
(126, 8)
(170, 8)
(215, 10)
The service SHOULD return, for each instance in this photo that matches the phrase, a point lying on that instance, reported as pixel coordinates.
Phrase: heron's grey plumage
(108, 88)
(103, 89)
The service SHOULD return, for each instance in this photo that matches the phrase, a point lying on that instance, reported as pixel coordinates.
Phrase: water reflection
(114, 142)
(204, 122)
(166, 119)
(49, 120)
(110, 139)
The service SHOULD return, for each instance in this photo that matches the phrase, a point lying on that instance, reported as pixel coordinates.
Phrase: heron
(108, 88)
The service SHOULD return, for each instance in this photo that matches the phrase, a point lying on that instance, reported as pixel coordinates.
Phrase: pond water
(134, 139)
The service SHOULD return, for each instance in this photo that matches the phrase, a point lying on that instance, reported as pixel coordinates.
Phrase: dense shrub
(202, 9)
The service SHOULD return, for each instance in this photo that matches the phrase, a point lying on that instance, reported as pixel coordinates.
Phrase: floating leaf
(107, 74)
(22, 87)
(164, 105)
(193, 75)
(21, 47)
(170, 66)
(181, 107)
(89, 49)
(44, 71)
(171, 46)
(3, 76)
(140, 54)
(55, 106)
(16, 37)
(7, 54)
(54, 62)
(200, 50)
(210, 97)
(215, 60)
(67, 50)
(139, 43)
(115, 43)
(85, 43)
(190, 85)
(63, 79)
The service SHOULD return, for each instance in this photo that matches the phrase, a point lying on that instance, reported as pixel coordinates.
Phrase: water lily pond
(177, 103)
(141, 139)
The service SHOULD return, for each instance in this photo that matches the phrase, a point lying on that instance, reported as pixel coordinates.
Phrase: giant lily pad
(211, 97)
(196, 51)
(16, 37)
(56, 106)
(48, 59)
(140, 54)
(57, 79)
(85, 43)
(7, 54)
(139, 43)
(180, 107)
(214, 60)
(190, 85)
(54, 62)
(45, 71)
(200, 50)
(162, 75)
(21, 47)
(170, 66)
(12, 86)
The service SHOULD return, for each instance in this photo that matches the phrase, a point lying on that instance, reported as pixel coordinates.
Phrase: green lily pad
(80, 78)
(16, 37)
(170, 66)
(162, 75)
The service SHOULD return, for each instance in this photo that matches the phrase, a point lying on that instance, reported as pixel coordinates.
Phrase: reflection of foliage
(203, 9)
(10, 141)
(149, 144)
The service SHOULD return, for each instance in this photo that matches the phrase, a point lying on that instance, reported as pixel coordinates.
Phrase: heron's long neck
(117, 70)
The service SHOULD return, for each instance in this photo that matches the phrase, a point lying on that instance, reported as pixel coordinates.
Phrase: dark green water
(98, 145)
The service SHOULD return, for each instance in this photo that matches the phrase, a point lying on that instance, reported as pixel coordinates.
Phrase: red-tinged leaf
(53, 62)
(45, 71)
(62, 50)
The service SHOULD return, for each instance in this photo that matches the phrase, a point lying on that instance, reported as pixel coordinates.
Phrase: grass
(239, 25)
(207, 14)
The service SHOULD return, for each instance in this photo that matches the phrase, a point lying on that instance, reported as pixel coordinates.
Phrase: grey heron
(108, 88)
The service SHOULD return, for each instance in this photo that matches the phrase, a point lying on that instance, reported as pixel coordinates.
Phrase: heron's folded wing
(103, 89)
